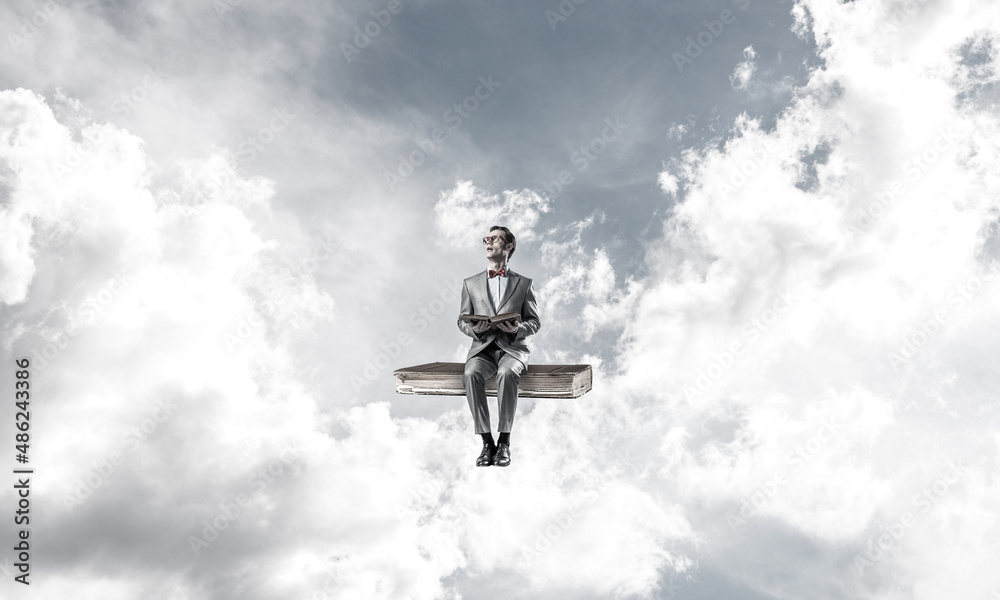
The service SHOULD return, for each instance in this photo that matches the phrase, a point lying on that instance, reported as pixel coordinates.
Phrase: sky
(771, 228)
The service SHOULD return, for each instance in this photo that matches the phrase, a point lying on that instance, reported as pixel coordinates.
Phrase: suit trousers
(489, 361)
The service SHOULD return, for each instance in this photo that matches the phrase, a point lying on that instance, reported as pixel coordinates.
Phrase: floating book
(537, 381)
(511, 316)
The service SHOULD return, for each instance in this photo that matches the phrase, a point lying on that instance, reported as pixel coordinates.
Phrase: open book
(511, 316)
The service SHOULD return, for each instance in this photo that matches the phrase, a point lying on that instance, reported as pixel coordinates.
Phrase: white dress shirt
(496, 286)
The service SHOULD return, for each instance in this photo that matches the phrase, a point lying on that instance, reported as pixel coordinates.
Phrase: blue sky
(223, 225)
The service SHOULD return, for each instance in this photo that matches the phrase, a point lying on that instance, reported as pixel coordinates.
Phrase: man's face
(495, 248)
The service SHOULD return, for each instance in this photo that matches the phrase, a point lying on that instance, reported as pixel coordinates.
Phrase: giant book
(537, 381)
(501, 318)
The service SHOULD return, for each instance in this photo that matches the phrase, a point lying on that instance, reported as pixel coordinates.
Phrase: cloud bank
(794, 397)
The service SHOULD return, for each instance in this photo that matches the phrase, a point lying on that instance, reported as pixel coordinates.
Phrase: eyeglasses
(493, 238)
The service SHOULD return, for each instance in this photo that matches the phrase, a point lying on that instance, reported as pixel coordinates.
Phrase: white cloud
(181, 397)
(584, 284)
(465, 211)
(668, 183)
(867, 208)
(142, 372)
(781, 287)
(677, 131)
(744, 71)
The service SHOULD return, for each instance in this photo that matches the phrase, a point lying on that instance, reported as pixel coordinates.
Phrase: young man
(497, 349)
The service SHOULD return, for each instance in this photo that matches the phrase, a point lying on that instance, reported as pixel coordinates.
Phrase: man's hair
(508, 236)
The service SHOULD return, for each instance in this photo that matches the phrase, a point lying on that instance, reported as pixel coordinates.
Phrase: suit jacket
(518, 297)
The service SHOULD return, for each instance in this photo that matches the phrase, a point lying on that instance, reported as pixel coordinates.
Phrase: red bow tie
(502, 272)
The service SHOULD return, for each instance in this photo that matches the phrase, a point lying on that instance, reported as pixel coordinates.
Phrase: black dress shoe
(502, 457)
(486, 457)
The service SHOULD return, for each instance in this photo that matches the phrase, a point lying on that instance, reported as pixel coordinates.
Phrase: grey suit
(495, 351)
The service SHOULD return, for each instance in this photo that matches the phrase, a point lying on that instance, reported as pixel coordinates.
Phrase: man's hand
(480, 326)
(507, 326)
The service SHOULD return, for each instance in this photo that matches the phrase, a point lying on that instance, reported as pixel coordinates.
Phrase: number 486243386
(23, 416)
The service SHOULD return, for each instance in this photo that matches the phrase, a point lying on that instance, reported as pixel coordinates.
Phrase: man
(496, 349)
